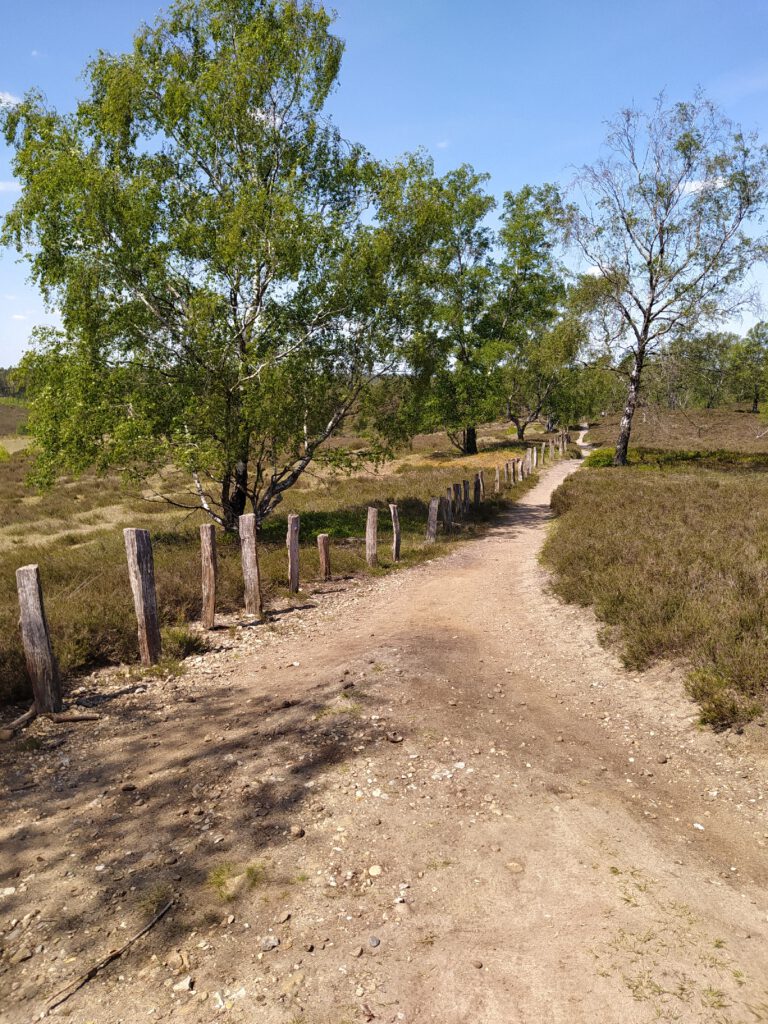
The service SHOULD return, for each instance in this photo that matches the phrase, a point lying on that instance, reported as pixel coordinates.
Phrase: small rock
(477, 963)
(185, 985)
(662, 759)
(297, 831)
(357, 952)
(269, 943)
(284, 917)
(128, 787)
(374, 941)
(374, 870)
(394, 737)
(514, 867)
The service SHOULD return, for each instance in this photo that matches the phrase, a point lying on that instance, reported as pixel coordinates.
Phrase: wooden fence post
(323, 547)
(41, 663)
(481, 478)
(458, 504)
(372, 536)
(292, 543)
(395, 533)
(465, 486)
(210, 571)
(551, 448)
(497, 481)
(478, 490)
(445, 515)
(506, 474)
(449, 496)
(249, 554)
(534, 457)
(432, 520)
(141, 571)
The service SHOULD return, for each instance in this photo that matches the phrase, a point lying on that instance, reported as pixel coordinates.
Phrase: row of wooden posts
(40, 660)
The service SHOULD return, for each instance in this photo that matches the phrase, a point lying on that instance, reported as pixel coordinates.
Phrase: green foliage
(227, 289)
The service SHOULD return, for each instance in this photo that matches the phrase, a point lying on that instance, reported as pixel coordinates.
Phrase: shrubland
(671, 551)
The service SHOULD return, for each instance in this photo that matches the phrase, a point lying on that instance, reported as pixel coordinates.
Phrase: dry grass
(735, 430)
(675, 563)
(74, 532)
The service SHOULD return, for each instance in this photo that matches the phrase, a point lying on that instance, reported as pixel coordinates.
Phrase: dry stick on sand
(10, 730)
(69, 990)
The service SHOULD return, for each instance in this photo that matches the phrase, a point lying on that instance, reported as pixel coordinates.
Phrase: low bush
(675, 563)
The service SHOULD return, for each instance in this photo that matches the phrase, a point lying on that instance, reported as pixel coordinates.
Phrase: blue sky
(518, 88)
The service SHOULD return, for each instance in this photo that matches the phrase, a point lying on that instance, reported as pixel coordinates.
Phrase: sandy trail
(558, 841)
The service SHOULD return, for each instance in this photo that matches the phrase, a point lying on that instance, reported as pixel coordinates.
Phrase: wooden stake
(506, 474)
(249, 555)
(481, 478)
(458, 503)
(324, 549)
(446, 515)
(210, 571)
(292, 543)
(41, 664)
(497, 481)
(434, 504)
(141, 570)
(372, 536)
(478, 490)
(465, 486)
(395, 533)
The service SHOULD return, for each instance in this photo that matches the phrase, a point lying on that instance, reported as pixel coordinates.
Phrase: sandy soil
(431, 797)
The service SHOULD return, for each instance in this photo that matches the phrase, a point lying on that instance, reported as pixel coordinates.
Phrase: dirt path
(454, 804)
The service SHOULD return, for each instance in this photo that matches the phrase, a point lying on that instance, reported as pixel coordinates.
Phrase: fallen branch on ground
(69, 990)
(10, 730)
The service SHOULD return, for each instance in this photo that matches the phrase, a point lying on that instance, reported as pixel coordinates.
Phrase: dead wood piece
(69, 990)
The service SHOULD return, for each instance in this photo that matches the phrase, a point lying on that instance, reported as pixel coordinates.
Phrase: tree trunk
(756, 399)
(521, 431)
(233, 499)
(470, 441)
(625, 429)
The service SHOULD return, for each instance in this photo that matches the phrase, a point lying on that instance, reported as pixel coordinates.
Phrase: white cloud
(443, 144)
(7, 99)
(691, 187)
(18, 316)
(10, 186)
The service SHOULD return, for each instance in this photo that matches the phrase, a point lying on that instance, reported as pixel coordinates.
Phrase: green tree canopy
(226, 289)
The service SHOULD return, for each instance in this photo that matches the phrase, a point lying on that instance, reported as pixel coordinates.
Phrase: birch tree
(670, 219)
(227, 294)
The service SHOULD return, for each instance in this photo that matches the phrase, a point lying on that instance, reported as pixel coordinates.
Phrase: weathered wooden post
(449, 496)
(481, 478)
(543, 452)
(478, 491)
(551, 448)
(249, 555)
(395, 533)
(210, 571)
(324, 550)
(141, 571)
(446, 515)
(41, 663)
(497, 481)
(432, 520)
(534, 457)
(465, 486)
(372, 536)
(506, 474)
(458, 503)
(292, 543)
